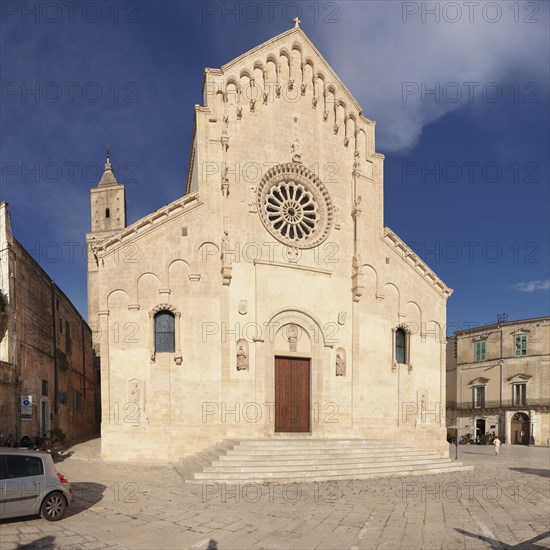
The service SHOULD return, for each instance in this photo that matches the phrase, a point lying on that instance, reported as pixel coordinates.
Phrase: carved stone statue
(134, 392)
(225, 242)
(292, 336)
(296, 151)
(356, 161)
(340, 365)
(242, 359)
(136, 395)
(357, 267)
(422, 407)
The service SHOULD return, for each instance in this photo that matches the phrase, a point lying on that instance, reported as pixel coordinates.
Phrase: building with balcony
(498, 381)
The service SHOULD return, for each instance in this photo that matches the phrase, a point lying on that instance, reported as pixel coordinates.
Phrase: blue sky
(460, 97)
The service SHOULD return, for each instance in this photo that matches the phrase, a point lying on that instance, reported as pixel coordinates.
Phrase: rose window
(294, 206)
(292, 210)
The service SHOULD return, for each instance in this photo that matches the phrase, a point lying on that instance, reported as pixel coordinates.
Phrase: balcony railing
(543, 403)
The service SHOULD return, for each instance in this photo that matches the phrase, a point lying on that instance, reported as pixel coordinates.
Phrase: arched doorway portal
(520, 429)
(480, 427)
(294, 358)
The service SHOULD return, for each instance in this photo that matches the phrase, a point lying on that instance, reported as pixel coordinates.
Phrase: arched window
(165, 341)
(400, 346)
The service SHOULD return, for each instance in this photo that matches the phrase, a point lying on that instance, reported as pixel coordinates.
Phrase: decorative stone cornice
(519, 378)
(479, 380)
(144, 225)
(415, 262)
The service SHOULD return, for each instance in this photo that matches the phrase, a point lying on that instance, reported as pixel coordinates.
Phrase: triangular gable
(519, 378)
(479, 380)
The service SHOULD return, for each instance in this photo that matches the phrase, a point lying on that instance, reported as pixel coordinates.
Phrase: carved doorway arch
(520, 425)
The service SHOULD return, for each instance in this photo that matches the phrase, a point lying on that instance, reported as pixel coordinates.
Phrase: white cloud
(531, 286)
(374, 52)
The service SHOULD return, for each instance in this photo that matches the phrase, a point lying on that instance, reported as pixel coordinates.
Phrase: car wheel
(53, 507)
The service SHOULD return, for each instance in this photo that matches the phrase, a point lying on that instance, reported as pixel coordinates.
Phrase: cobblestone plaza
(502, 503)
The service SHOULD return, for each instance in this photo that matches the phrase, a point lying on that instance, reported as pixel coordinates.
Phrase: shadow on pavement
(85, 494)
(43, 542)
(61, 456)
(533, 471)
(525, 545)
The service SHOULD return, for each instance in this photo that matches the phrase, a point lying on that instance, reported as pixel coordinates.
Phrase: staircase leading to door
(290, 460)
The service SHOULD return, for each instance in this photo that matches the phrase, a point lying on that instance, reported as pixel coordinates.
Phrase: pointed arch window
(165, 332)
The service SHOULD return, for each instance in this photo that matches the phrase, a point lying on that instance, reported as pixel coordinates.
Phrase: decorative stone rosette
(294, 205)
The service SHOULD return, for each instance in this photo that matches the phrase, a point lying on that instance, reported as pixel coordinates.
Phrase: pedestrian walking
(496, 443)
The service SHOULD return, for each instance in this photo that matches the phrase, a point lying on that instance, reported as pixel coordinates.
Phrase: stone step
(291, 467)
(243, 454)
(327, 475)
(280, 442)
(293, 460)
(304, 460)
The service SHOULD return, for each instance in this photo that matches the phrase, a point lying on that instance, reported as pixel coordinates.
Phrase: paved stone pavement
(503, 503)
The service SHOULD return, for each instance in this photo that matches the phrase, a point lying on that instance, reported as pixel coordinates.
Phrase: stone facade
(498, 380)
(276, 252)
(45, 351)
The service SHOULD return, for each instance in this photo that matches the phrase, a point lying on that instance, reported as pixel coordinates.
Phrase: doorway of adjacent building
(480, 427)
(520, 429)
(44, 418)
(292, 394)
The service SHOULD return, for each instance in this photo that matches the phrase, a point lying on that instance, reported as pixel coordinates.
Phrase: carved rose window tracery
(294, 206)
(292, 210)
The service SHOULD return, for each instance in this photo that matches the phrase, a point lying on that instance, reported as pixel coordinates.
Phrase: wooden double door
(292, 394)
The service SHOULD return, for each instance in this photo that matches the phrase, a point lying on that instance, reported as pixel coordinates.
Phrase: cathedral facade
(269, 300)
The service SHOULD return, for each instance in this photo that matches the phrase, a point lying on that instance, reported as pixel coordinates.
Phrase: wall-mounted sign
(26, 407)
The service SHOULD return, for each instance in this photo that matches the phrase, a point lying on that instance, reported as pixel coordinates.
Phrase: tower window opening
(107, 213)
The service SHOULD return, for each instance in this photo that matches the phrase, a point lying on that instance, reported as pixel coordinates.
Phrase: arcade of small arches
(292, 74)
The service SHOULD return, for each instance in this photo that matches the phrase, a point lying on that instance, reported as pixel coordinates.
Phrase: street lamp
(455, 428)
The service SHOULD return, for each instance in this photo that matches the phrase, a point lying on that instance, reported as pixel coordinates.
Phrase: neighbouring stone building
(498, 380)
(269, 300)
(47, 374)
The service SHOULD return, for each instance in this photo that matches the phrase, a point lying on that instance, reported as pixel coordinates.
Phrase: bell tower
(108, 203)
(108, 217)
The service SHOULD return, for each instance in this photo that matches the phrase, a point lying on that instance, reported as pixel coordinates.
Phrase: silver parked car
(30, 485)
